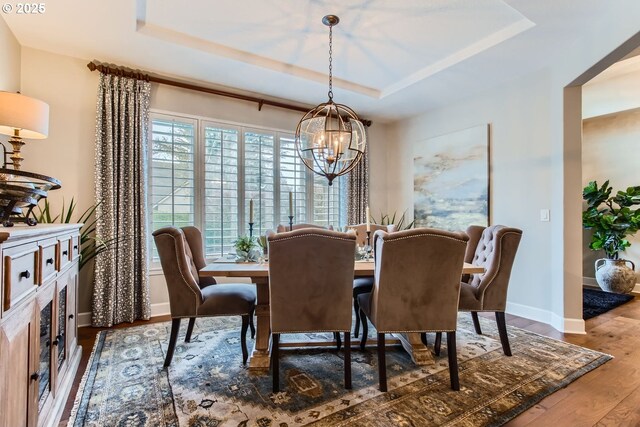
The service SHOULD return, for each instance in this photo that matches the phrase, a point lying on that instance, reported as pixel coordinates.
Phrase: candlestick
(368, 222)
(367, 248)
(251, 211)
(250, 230)
(290, 222)
(290, 203)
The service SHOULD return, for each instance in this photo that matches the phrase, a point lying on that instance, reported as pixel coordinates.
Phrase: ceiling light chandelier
(331, 138)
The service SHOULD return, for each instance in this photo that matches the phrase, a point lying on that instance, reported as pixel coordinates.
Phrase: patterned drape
(358, 190)
(121, 291)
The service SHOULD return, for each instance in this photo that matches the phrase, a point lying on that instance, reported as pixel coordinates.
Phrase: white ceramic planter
(614, 275)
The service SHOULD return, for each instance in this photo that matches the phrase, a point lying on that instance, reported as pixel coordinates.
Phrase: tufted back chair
(195, 245)
(180, 270)
(282, 228)
(495, 251)
(310, 278)
(361, 231)
(417, 280)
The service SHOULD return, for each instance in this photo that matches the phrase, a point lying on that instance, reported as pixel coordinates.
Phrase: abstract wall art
(451, 179)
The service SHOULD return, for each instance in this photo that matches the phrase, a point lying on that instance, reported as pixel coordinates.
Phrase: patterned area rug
(207, 386)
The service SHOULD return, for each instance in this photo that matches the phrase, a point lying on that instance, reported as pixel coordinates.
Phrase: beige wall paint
(609, 152)
(520, 173)
(10, 64)
(620, 91)
(68, 154)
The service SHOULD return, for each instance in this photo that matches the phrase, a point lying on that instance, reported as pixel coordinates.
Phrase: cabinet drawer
(75, 247)
(49, 253)
(20, 273)
(65, 252)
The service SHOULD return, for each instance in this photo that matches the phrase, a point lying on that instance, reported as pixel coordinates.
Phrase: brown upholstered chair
(416, 289)
(310, 277)
(363, 285)
(180, 253)
(281, 228)
(493, 248)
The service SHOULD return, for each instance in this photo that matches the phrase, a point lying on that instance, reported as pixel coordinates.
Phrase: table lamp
(21, 117)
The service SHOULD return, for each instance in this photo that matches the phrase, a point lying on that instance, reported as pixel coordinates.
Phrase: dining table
(258, 273)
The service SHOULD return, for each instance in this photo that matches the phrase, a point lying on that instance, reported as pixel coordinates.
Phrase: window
(204, 173)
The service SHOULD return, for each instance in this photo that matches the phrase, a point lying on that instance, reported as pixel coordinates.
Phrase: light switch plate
(544, 215)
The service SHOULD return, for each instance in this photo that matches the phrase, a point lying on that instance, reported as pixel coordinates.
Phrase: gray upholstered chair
(363, 285)
(416, 289)
(493, 248)
(281, 228)
(181, 252)
(310, 277)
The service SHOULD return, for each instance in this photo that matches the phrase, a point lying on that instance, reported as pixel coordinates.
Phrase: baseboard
(159, 309)
(590, 282)
(565, 325)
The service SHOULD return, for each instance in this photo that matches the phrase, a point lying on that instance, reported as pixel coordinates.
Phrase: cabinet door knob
(71, 316)
(75, 247)
(55, 342)
(49, 261)
(35, 376)
(26, 274)
(65, 252)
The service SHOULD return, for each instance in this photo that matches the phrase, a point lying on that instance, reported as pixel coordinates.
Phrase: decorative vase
(614, 275)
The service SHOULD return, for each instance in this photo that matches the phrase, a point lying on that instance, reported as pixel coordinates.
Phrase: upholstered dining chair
(181, 252)
(363, 285)
(281, 228)
(493, 248)
(310, 275)
(416, 289)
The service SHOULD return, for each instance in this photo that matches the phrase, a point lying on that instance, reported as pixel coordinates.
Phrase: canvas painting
(451, 180)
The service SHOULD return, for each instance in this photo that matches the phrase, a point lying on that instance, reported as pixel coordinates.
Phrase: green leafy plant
(90, 244)
(245, 248)
(611, 218)
(391, 219)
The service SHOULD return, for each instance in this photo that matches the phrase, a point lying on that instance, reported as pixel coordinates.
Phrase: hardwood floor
(608, 396)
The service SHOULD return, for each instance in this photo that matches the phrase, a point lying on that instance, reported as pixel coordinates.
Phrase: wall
(535, 164)
(616, 89)
(609, 152)
(10, 64)
(68, 154)
(520, 175)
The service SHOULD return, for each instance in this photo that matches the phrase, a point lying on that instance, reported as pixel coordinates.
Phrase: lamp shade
(30, 116)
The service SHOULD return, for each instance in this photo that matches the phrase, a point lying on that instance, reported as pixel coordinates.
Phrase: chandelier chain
(330, 62)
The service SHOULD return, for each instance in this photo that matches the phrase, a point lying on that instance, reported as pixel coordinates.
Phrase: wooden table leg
(420, 354)
(259, 360)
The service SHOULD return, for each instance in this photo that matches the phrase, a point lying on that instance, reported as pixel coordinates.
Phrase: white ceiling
(392, 59)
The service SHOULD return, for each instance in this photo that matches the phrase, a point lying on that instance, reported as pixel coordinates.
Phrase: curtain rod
(141, 75)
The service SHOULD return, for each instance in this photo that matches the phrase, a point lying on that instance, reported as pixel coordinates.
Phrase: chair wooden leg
(356, 310)
(423, 337)
(251, 325)
(382, 363)
(476, 322)
(502, 330)
(275, 361)
(453, 360)
(175, 327)
(192, 322)
(347, 360)
(336, 337)
(365, 330)
(437, 344)
(243, 338)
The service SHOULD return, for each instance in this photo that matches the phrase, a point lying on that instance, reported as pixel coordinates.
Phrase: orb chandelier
(330, 138)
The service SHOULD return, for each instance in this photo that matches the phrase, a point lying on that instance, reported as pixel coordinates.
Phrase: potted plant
(246, 249)
(612, 219)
